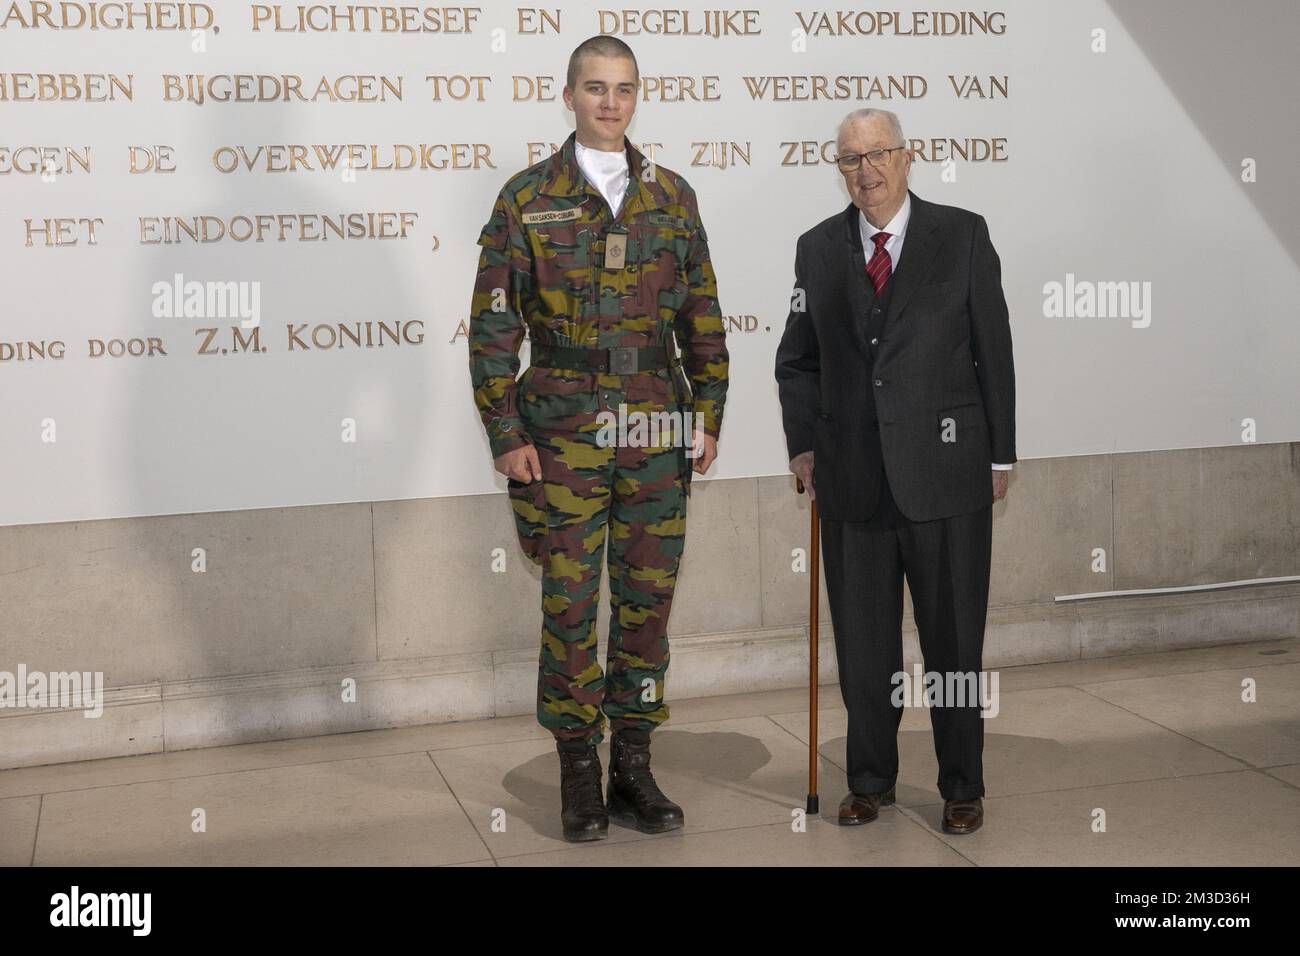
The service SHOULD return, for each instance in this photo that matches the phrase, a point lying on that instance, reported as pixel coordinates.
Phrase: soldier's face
(603, 101)
(877, 190)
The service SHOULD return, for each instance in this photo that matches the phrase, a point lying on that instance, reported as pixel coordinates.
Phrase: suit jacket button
(879, 382)
(875, 341)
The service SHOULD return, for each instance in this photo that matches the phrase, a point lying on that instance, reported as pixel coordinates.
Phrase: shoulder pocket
(495, 234)
(493, 237)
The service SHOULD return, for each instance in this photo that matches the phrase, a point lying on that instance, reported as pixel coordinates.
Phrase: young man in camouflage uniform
(600, 256)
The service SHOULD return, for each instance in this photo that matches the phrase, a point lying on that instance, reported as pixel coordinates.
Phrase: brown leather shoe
(859, 808)
(962, 816)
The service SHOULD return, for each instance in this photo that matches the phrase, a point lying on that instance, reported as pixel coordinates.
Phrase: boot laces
(635, 769)
(576, 781)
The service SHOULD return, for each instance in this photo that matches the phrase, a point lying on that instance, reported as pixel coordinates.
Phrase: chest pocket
(561, 243)
(937, 302)
(940, 290)
(660, 240)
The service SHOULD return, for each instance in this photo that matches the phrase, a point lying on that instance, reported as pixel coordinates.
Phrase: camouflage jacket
(542, 272)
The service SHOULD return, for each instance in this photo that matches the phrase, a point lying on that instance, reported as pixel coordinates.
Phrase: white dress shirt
(897, 229)
(606, 171)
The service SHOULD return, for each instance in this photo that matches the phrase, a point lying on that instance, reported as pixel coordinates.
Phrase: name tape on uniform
(554, 215)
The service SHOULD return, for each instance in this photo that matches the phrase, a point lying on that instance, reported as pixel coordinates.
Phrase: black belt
(617, 361)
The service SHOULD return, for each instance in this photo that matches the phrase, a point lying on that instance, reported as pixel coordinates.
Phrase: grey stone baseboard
(182, 715)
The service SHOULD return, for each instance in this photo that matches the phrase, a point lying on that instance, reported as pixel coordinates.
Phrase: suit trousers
(946, 563)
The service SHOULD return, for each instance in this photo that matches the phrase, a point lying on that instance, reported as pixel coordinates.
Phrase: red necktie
(878, 268)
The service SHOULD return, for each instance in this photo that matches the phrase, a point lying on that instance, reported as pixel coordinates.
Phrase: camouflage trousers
(627, 497)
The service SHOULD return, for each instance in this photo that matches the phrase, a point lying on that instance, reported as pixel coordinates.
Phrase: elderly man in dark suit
(898, 402)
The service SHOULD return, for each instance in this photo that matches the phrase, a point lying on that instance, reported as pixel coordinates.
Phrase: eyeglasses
(876, 157)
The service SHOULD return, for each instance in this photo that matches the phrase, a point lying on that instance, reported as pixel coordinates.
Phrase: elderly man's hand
(802, 467)
(1000, 478)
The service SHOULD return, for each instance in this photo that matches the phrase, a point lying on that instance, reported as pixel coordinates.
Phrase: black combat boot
(582, 811)
(635, 800)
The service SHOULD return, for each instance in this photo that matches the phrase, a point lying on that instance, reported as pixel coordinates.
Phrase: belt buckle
(622, 360)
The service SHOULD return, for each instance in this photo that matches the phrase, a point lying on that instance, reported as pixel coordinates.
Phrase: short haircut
(867, 113)
(599, 45)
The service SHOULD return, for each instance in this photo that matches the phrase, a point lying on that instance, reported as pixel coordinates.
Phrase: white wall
(1108, 179)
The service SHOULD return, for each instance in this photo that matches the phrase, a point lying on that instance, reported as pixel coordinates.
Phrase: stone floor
(1161, 746)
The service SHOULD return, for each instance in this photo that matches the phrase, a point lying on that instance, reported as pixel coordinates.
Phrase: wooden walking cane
(814, 593)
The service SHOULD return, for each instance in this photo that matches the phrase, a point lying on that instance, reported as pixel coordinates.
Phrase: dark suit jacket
(937, 401)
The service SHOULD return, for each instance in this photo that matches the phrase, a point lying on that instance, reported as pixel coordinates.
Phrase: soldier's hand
(706, 450)
(802, 466)
(521, 464)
